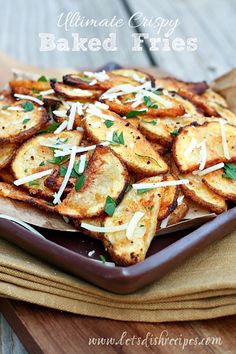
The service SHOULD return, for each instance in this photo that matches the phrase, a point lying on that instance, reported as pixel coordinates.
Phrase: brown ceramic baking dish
(69, 251)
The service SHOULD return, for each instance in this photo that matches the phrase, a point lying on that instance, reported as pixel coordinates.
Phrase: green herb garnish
(49, 203)
(174, 132)
(35, 91)
(230, 171)
(110, 206)
(153, 122)
(108, 123)
(5, 107)
(132, 114)
(84, 78)
(50, 128)
(59, 160)
(42, 79)
(28, 106)
(102, 259)
(79, 182)
(42, 163)
(149, 103)
(128, 188)
(26, 120)
(143, 190)
(118, 139)
(33, 183)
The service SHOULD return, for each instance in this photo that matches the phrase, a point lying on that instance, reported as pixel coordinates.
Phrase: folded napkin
(203, 287)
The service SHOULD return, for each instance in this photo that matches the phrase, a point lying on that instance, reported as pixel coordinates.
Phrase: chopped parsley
(51, 128)
(149, 103)
(49, 203)
(85, 79)
(110, 206)
(174, 132)
(42, 79)
(5, 107)
(33, 183)
(118, 139)
(102, 259)
(132, 114)
(28, 106)
(128, 188)
(35, 91)
(26, 120)
(42, 163)
(79, 182)
(108, 123)
(150, 207)
(230, 171)
(158, 92)
(153, 122)
(143, 190)
(59, 160)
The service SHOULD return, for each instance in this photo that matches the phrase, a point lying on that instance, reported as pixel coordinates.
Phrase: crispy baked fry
(168, 198)
(179, 213)
(134, 74)
(74, 93)
(197, 191)
(210, 133)
(105, 176)
(27, 86)
(96, 221)
(124, 250)
(18, 125)
(32, 157)
(9, 191)
(132, 147)
(7, 152)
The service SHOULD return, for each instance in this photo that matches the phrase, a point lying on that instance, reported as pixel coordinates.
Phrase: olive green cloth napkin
(203, 287)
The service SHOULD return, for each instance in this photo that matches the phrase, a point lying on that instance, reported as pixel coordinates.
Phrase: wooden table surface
(21, 21)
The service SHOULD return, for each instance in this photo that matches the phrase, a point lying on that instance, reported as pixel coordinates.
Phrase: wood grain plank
(211, 23)
(47, 331)
(22, 21)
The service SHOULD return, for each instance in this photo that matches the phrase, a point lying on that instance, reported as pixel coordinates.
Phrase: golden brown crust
(74, 93)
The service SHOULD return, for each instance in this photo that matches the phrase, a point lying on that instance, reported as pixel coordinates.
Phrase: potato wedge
(7, 152)
(173, 84)
(85, 82)
(105, 176)
(32, 157)
(9, 191)
(126, 251)
(163, 130)
(6, 98)
(179, 213)
(74, 93)
(168, 198)
(210, 132)
(197, 191)
(132, 148)
(27, 86)
(134, 74)
(225, 187)
(18, 125)
(123, 106)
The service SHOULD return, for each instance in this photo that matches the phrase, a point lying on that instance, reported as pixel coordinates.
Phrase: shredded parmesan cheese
(204, 172)
(164, 222)
(57, 196)
(82, 163)
(180, 200)
(79, 149)
(138, 78)
(99, 76)
(60, 114)
(191, 147)
(93, 110)
(160, 184)
(91, 253)
(72, 116)
(61, 127)
(27, 97)
(133, 224)
(15, 108)
(203, 154)
(224, 139)
(46, 92)
(103, 229)
(32, 177)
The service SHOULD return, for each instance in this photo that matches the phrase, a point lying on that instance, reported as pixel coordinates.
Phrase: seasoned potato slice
(6, 98)
(130, 145)
(225, 187)
(74, 93)
(7, 152)
(173, 84)
(105, 176)
(168, 198)
(6, 175)
(160, 149)
(134, 74)
(197, 191)
(124, 250)
(168, 106)
(86, 82)
(179, 213)
(27, 86)
(18, 125)
(9, 191)
(32, 157)
(163, 130)
(210, 134)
